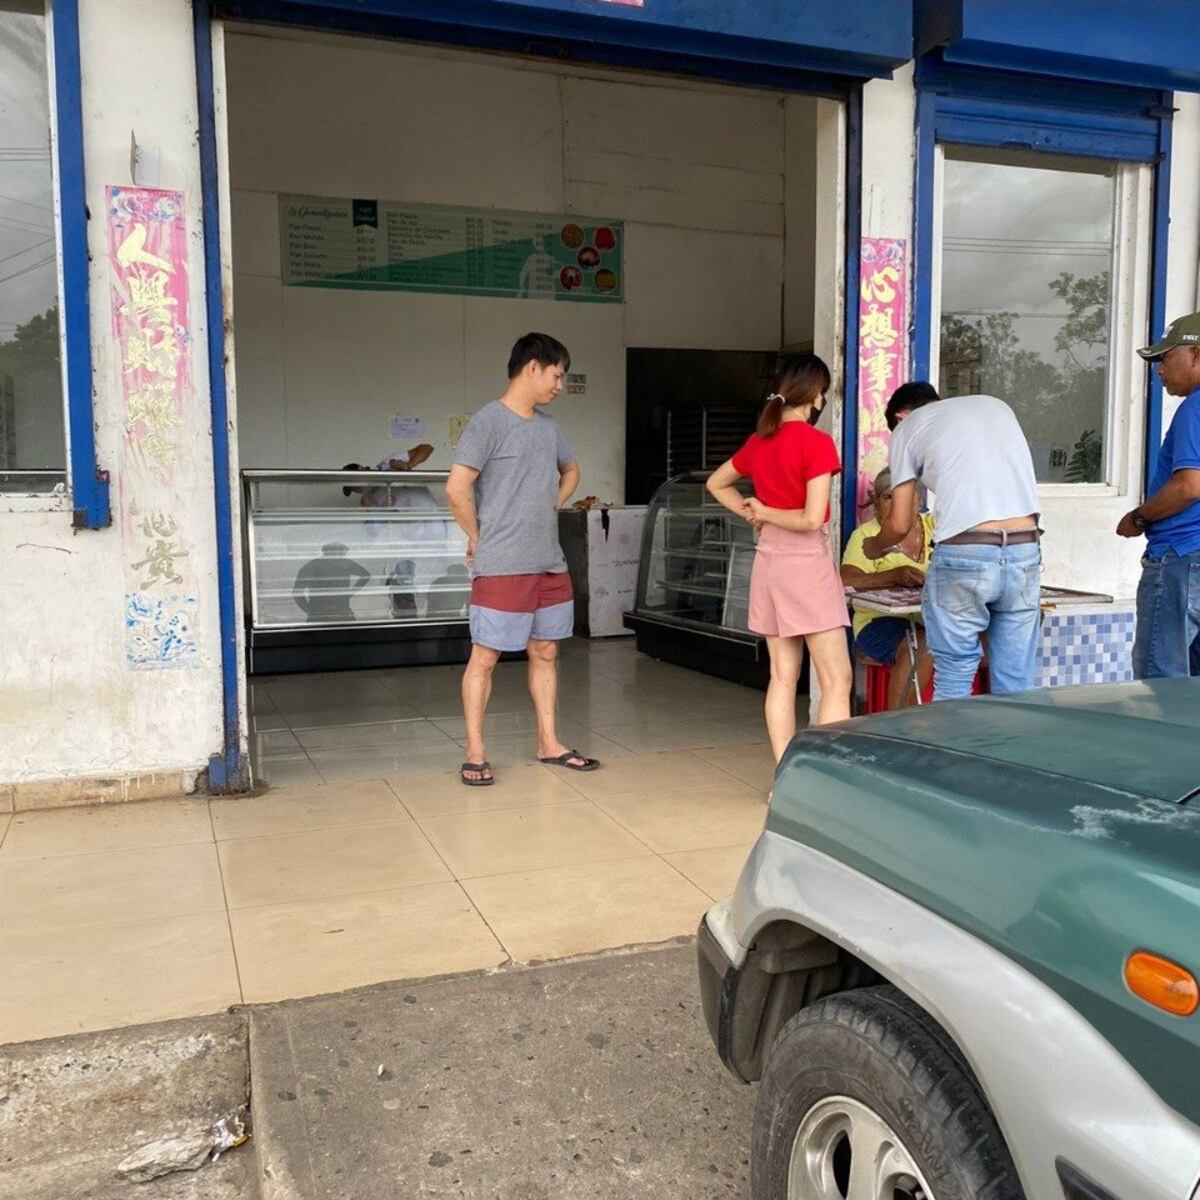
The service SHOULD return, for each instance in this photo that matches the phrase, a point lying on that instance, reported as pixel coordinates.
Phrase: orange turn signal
(1163, 983)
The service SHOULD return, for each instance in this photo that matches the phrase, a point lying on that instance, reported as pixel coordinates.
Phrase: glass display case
(693, 592)
(352, 569)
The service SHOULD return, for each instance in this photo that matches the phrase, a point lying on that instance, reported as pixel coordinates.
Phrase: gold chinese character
(881, 285)
(879, 371)
(156, 355)
(148, 297)
(133, 250)
(877, 329)
(159, 563)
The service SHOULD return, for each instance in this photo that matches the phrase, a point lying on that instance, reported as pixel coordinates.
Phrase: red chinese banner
(148, 271)
(882, 357)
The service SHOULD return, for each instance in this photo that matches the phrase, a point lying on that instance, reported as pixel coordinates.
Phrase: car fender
(1056, 1086)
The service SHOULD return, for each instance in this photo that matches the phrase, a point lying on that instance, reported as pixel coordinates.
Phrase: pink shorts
(795, 588)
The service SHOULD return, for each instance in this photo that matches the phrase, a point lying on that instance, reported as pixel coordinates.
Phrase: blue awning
(1140, 43)
(773, 42)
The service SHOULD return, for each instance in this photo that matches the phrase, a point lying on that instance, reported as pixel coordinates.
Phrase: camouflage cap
(1183, 331)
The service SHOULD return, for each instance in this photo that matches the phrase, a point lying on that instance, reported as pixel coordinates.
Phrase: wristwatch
(1139, 522)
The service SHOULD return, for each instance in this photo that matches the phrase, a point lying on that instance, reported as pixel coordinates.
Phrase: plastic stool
(879, 678)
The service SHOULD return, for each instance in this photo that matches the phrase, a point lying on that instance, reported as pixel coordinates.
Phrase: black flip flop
(564, 760)
(478, 768)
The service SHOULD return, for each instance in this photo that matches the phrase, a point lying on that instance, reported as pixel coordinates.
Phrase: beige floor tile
(5, 822)
(498, 724)
(516, 787)
(373, 762)
(383, 736)
(715, 870)
(323, 863)
(526, 839)
(321, 946)
(597, 715)
(754, 764)
(101, 828)
(297, 693)
(318, 716)
(275, 743)
(266, 722)
(577, 910)
(647, 737)
(694, 819)
(636, 773)
(260, 698)
(294, 810)
(448, 706)
(403, 681)
(106, 889)
(71, 980)
(294, 770)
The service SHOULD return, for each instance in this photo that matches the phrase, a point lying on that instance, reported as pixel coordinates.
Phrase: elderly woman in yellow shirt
(880, 637)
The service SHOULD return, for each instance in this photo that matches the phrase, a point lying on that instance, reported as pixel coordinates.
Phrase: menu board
(387, 246)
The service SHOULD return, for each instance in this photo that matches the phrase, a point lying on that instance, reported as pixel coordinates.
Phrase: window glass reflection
(32, 443)
(1027, 250)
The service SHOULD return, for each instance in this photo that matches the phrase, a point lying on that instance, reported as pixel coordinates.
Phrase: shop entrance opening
(400, 214)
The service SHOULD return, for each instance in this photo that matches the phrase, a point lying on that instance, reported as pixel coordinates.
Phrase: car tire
(868, 1070)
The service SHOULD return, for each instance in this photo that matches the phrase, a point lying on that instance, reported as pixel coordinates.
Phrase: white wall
(889, 155)
(697, 174)
(801, 170)
(1183, 295)
(69, 705)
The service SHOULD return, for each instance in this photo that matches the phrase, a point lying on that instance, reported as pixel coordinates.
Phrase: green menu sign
(386, 246)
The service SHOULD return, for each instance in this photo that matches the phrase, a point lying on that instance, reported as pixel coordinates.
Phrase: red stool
(879, 678)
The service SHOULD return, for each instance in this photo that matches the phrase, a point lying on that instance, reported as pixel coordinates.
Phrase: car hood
(1141, 739)
(1062, 827)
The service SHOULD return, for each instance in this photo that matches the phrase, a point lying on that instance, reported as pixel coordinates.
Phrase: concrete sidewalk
(591, 1079)
(587, 1080)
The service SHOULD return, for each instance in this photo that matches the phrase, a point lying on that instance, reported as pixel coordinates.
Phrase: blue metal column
(224, 769)
(923, 218)
(853, 237)
(89, 484)
(1158, 286)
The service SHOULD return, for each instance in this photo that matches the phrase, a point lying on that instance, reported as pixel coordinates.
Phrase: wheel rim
(845, 1151)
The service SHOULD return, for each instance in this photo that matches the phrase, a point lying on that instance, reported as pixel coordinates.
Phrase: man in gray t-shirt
(521, 461)
(513, 470)
(985, 575)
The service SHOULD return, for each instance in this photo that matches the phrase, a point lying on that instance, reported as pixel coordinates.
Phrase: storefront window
(32, 441)
(1026, 297)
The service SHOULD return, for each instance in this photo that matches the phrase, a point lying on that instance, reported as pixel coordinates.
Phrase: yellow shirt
(854, 557)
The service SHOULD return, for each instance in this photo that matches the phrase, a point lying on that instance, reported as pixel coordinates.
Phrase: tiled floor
(368, 860)
(613, 702)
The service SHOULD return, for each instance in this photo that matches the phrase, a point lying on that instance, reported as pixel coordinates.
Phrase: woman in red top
(796, 593)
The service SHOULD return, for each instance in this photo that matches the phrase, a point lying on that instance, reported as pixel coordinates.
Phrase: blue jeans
(974, 590)
(1168, 617)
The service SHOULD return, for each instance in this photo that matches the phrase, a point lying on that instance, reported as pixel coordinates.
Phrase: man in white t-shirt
(985, 577)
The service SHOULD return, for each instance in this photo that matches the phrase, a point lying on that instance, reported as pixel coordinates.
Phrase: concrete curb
(72, 1108)
(280, 1132)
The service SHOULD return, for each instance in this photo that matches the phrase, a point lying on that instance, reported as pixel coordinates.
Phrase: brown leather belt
(993, 537)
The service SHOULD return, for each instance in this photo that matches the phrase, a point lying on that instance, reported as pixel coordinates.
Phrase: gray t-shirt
(970, 452)
(516, 494)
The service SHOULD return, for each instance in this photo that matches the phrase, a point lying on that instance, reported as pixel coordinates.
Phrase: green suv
(962, 957)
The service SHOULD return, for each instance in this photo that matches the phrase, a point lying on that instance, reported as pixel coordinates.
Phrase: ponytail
(771, 416)
(800, 379)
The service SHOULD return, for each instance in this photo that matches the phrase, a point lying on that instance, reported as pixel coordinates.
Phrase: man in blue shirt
(1168, 599)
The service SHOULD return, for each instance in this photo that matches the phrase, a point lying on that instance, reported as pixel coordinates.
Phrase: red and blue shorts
(509, 611)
